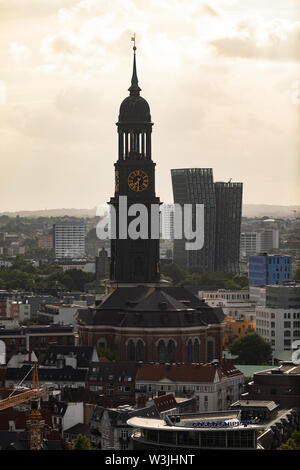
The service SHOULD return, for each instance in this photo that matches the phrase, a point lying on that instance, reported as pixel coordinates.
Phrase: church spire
(134, 88)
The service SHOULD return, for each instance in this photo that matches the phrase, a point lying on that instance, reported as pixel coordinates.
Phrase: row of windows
(235, 439)
(136, 352)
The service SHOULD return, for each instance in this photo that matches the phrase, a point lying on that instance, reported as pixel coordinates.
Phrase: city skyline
(224, 68)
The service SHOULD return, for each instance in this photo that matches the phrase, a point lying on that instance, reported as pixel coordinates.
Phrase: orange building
(235, 329)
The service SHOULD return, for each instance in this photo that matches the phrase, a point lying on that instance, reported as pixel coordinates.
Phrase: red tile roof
(165, 402)
(186, 372)
(177, 372)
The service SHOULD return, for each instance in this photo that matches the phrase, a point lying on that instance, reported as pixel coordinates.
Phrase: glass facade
(228, 226)
(241, 439)
(222, 220)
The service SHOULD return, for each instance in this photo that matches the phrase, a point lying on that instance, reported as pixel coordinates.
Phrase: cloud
(254, 38)
(2, 92)
(19, 53)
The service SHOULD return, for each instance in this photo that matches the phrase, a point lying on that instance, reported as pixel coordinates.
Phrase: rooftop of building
(288, 369)
(195, 373)
(83, 355)
(150, 307)
(222, 421)
(270, 405)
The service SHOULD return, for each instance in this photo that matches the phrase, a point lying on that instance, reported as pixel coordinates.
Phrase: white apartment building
(229, 295)
(252, 243)
(69, 240)
(215, 387)
(61, 314)
(279, 326)
(278, 322)
(235, 304)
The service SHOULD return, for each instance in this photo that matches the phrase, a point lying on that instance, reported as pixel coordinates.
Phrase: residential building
(56, 378)
(62, 314)
(114, 381)
(235, 329)
(281, 385)
(267, 269)
(235, 304)
(69, 239)
(224, 294)
(278, 322)
(73, 432)
(45, 242)
(35, 338)
(109, 427)
(78, 357)
(253, 243)
(215, 385)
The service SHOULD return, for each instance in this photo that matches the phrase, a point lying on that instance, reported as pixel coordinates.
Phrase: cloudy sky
(222, 79)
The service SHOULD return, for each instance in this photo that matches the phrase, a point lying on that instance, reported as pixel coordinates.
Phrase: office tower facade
(69, 240)
(228, 226)
(167, 221)
(267, 269)
(278, 322)
(253, 243)
(222, 220)
(196, 186)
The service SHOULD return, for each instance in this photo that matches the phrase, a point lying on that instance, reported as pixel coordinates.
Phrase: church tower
(135, 260)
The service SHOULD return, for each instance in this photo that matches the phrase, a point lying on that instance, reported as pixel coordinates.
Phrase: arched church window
(171, 351)
(190, 351)
(140, 351)
(161, 352)
(196, 350)
(210, 350)
(130, 351)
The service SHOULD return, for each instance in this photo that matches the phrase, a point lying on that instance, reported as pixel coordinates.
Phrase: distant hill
(54, 213)
(249, 210)
(261, 210)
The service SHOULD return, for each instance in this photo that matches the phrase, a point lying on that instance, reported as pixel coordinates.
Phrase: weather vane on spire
(133, 39)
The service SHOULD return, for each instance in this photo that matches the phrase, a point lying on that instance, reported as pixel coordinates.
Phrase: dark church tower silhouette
(135, 260)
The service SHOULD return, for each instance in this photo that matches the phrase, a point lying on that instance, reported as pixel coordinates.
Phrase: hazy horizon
(222, 79)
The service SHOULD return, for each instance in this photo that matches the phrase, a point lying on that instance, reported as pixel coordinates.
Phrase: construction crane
(35, 422)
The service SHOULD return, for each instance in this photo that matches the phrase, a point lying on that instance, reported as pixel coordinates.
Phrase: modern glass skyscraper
(222, 219)
(196, 186)
(228, 226)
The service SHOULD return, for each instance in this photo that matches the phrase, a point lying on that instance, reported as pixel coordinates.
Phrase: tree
(296, 276)
(173, 271)
(82, 442)
(108, 353)
(293, 443)
(251, 349)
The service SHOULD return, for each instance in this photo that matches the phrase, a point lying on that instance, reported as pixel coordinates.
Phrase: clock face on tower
(138, 180)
